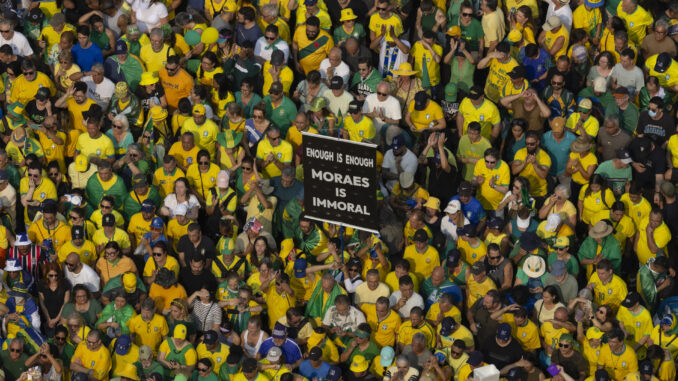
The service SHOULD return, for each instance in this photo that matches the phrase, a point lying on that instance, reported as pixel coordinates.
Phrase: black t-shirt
(502, 356)
(54, 299)
(145, 98)
(670, 213)
(654, 162)
(36, 116)
(193, 283)
(205, 248)
(359, 9)
(657, 130)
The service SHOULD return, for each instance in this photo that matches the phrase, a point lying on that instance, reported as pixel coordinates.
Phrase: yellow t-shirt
(184, 158)
(489, 197)
(407, 331)
(120, 236)
(537, 184)
(218, 357)
(611, 293)
(637, 325)
(420, 54)
(391, 281)
(434, 311)
(669, 342)
(37, 232)
(294, 136)
(469, 253)
(590, 125)
(661, 235)
(594, 203)
(155, 61)
(669, 78)
(526, 334)
(46, 190)
(591, 354)
(277, 304)
(282, 153)
(312, 52)
(636, 22)
(203, 182)
(175, 231)
(148, 333)
(478, 290)
(361, 130)
(75, 110)
(551, 334)
(101, 147)
(637, 212)
(376, 22)
(673, 147)
(552, 37)
(383, 331)
(65, 81)
(487, 114)
(425, 118)
(99, 361)
(52, 37)
(498, 77)
(205, 134)
(618, 365)
(286, 77)
(87, 252)
(165, 181)
(588, 20)
(24, 90)
(422, 264)
(171, 263)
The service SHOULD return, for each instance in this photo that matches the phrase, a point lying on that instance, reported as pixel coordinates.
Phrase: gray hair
(98, 65)
(564, 189)
(622, 35)
(148, 304)
(123, 120)
(18, 340)
(612, 118)
(289, 172)
(420, 337)
(403, 359)
(157, 32)
(661, 23)
(270, 10)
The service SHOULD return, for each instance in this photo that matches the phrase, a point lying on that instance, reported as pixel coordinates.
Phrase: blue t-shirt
(535, 67)
(289, 348)
(85, 58)
(473, 210)
(310, 372)
(252, 34)
(559, 152)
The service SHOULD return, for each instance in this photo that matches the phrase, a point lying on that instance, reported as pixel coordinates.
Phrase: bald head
(384, 87)
(351, 45)
(335, 53)
(561, 314)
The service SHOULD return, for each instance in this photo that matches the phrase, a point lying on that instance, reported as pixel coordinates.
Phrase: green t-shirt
(340, 34)
(571, 265)
(466, 150)
(13, 369)
(472, 34)
(628, 117)
(370, 353)
(616, 178)
(283, 115)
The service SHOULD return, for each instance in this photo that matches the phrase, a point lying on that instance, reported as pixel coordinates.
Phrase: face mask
(652, 113)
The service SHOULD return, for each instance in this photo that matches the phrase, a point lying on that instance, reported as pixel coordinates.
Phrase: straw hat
(19, 136)
(534, 266)
(600, 230)
(121, 89)
(405, 68)
(580, 144)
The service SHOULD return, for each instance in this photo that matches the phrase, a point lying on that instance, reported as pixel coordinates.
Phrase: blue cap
(157, 223)
(123, 345)
(147, 206)
(447, 325)
(398, 142)
(300, 268)
(310, 2)
(387, 356)
(334, 374)
(504, 332)
(120, 47)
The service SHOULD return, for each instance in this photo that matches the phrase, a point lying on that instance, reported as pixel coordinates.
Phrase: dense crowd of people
(152, 191)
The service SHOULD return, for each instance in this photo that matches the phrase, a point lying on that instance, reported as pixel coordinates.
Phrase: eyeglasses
(353, 270)
(382, 94)
(102, 206)
(278, 283)
(274, 137)
(52, 275)
(29, 72)
(35, 176)
(258, 117)
(467, 14)
(15, 350)
(110, 253)
(147, 136)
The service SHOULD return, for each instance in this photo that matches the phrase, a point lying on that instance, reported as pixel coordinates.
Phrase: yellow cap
(347, 15)
(129, 281)
(286, 246)
(199, 109)
(359, 364)
(148, 78)
(594, 333)
(562, 242)
(315, 339)
(514, 36)
(454, 31)
(433, 203)
(557, 124)
(81, 162)
(179, 331)
(158, 114)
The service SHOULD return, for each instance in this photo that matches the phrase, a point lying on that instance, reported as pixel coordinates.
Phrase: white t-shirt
(264, 50)
(449, 228)
(19, 44)
(100, 93)
(148, 16)
(415, 301)
(171, 203)
(87, 277)
(336, 104)
(390, 57)
(390, 108)
(8, 199)
(564, 14)
(408, 163)
(633, 79)
(342, 70)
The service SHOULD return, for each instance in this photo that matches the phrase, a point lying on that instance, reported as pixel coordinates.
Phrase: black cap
(420, 236)
(36, 15)
(601, 375)
(465, 188)
(42, 94)
(108, 220)
(475, 93)
(420, 100)
(663, 62)
(529, 241)
(315, 354)
(336, 83)
(276, 88)
(354, 107)
(631, 299)
(641, 149)
(120, 47)
(447, 325)
(478, 268)
(517, 72)
(249, 365)
(77, 232)
(210, 337)
(453, 257)
(277, 57)
(645, 367)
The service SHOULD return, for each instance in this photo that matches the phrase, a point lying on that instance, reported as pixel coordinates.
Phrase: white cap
(222, 179)
(552, 222)
(274, 354)
(523, 224)
(600, 85)
(453, 207)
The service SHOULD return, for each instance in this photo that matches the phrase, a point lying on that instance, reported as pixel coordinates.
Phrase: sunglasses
(29, 72)
(117, 126)
(15, 350)
(246, 168)
(274, 138)
(74, 217)
(554, 83)
(4, 31)
(467, 14)
(494, 258)
(564, 345)
(52, 275)
(157, 254)
(172, 69)
(202, 370)
(102, 206)
(382, 94)
(531, 144)
(271, 38)
(379, 9)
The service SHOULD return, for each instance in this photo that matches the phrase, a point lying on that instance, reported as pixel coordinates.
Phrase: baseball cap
(276, 88)
(454, 31)
(179, 331)
(274, 354)
(631, 299)
(495, 223)
(557, 124)
(420, 236)
(420, 100)
(551, 23)
(387, 356)
(336, 83)
(354, 107)
(210, 337)
(123, 344)
(157, 223)
(398, 142)
(584, 105)
(108, 220)
(139, 181)
(315, 353)
(120, 47)
(645, 367)
(558, 268)
(81, 162)
(129, 282)
(300, 268)
(199, 109)
(334, 374)
(453, 207)
(594, 333)
(503, 331)
(663, 62)
(145, 352)
(624, 156)
(447, 324)
(147, 206)
(279, 330)
(475, 93)
(77, 232)
(478, 268)
(277, 57)
(514, 374)
(476, 358)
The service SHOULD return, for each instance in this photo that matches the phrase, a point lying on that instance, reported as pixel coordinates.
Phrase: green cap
(318, 104)
(451, 92)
